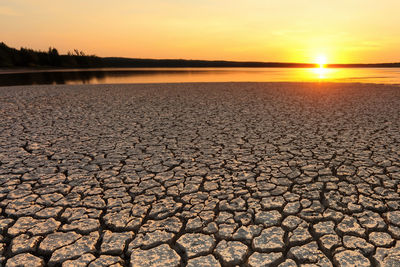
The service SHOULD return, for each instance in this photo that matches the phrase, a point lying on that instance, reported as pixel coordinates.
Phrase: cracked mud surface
(249, 174)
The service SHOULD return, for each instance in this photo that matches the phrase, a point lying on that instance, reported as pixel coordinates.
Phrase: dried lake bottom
(201, 174)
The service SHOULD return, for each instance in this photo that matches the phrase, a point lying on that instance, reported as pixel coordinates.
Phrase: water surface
(178, 75)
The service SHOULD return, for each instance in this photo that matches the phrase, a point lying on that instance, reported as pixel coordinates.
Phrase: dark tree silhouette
(24, 57)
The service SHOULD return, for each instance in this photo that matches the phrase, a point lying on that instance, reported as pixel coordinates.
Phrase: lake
(178, 75)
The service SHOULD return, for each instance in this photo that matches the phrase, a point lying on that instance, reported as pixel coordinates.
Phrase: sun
(321, 61)
(321, 70)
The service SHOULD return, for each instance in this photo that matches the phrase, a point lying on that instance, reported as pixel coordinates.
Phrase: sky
(342, 31)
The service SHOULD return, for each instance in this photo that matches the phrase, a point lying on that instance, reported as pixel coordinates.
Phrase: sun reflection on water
(143, 75)
(321, 73)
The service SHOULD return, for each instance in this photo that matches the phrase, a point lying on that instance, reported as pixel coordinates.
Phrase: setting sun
(321, 61)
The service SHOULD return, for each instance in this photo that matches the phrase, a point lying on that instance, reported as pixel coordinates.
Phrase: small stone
(114, 243)
(350, 258)
(371, 203)
(243, 218)
(231, 252)
(371, 220)
(353, 208)
(152, 239)
(121, 221)
(22, 225)
(288, 263)
(93, 202)
(247, 233)
(305, 203)
(350, 226)
(25, 259)
(329, 242)
(269, 203)
(292, 208)
(237, 204)
(210, 186)
(211, 228)
(393, 217)
(105, 261)
(83, 226)
(291, 222)
(85, 244)
(82, 261)
(271, 239)
(381, 239)
(46, 227)
(194, 224)
(196, 244)
(309, 253)
(345, 170)
(170, 224)
(49, 212)
(388, 257)
(394, 231)
(164, 208)
(5, 223)
(225, 231)
(224, 217)
(268, 218)
(291, 197)
(264, 259)
(300, 235)
(24, 243)
(161, 256)
(333, 215)
(57, 240)
(313, 212)
(324, 228)
(203, 261)
(353, 242)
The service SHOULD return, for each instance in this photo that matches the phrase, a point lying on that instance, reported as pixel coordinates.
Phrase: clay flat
(202, 174)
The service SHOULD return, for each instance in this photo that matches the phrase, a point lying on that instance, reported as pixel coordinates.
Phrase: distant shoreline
(26, 76)
(8, 70)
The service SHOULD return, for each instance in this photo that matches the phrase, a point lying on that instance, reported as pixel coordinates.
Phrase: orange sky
(344, 31)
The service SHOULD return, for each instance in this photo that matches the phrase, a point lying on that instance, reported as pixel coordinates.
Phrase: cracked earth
(248, 174)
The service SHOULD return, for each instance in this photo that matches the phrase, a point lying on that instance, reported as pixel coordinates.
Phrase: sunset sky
(344, 31)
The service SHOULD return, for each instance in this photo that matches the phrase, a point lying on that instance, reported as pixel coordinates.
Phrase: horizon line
(239, 61)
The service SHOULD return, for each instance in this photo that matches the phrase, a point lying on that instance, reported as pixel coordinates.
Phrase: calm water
(173, 75)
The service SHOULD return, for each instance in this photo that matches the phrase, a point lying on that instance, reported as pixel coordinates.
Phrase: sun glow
(321, 61)
(321, 70)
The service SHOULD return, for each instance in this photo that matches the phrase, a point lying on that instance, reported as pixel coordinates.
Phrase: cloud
(6, 11)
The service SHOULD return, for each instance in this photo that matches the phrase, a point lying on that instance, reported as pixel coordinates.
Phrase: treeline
(189, 63)
(372, 65)
(25, 57)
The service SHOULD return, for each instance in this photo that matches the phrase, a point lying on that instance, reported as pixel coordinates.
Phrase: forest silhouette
(29, 58)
